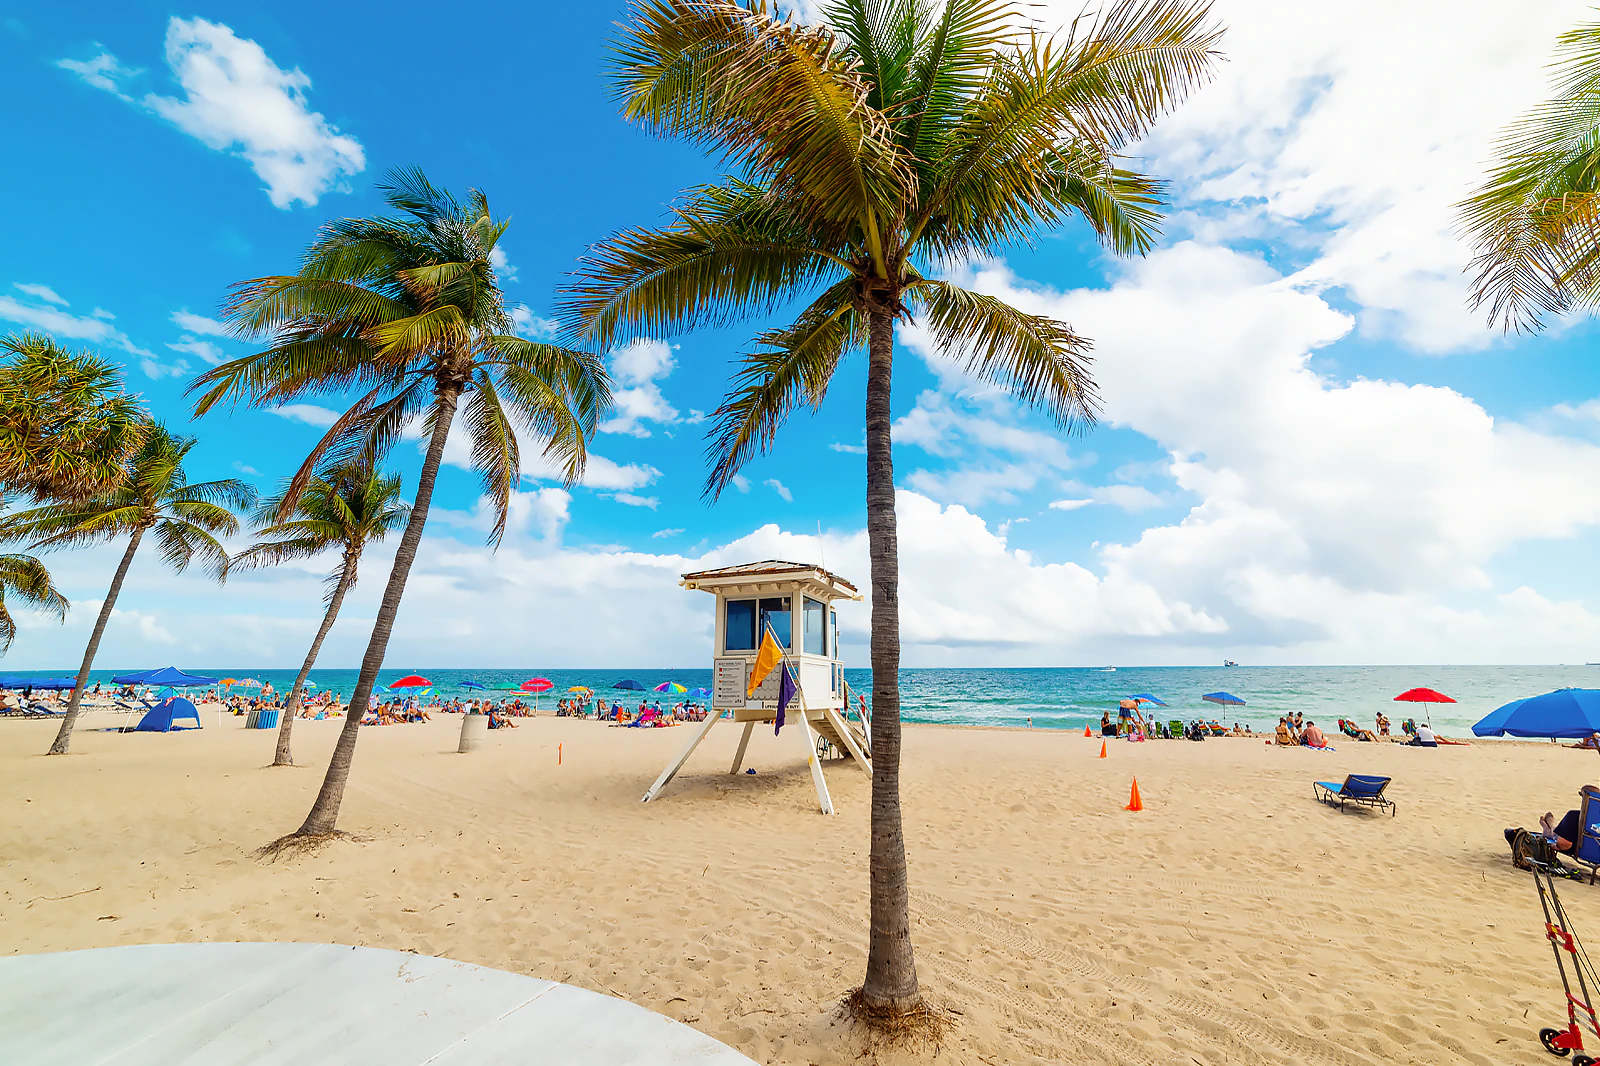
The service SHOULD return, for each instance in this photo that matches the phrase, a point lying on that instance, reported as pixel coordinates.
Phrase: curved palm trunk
(325, 812)
(891, 983)
(64, 736)
(291, 706)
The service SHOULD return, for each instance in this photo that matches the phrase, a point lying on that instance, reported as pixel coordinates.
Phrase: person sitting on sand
(1423, 737)
(1106, 728)
(1588, 743)
(1355, 732)
(1312, 737)
(1285, 736)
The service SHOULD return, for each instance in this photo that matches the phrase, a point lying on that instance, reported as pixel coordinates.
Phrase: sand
(1234, 920)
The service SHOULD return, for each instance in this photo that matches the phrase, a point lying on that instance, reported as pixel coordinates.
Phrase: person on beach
(1285, 735)
(1564, 835)
(1383, 724)
(1106, 728)
(1423, 737)
(1312, 737)
(1588, 743)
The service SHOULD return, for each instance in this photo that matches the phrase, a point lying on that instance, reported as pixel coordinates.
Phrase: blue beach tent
(1564, 713)
(164, 716)
(166, 676)
(38, 684)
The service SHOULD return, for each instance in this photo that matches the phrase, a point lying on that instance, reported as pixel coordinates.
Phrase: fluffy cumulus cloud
(236, 99)
(41, 308)
(637, 368)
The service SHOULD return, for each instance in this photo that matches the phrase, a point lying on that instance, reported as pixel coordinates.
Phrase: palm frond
(181, 542)
(790, 366)
(557, 394)
(1036, 359)
(24, 580)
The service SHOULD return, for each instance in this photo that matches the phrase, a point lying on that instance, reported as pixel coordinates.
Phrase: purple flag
(786, 691)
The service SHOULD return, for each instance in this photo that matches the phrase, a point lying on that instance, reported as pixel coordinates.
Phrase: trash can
(474, 731)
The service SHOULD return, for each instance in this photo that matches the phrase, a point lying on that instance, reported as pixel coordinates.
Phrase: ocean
(1070, 698)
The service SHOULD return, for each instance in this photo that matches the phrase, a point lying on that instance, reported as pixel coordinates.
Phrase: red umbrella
(537, 684)
(411, 681)
(1423, 695)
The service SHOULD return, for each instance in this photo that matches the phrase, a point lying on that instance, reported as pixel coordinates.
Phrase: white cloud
(40, 292)
(998, 456)
(531, 325)
(782, 490)
(204, 349)
(637, 501)
(502, 265)
(637, 367)
(1130, 498)
(741, 482)
(156, 370)
(850, 449)
(1071, 505)
(245, 468)
(206, 327)
(236, 99)
(94, 327)
(308, 413)
(663, 533)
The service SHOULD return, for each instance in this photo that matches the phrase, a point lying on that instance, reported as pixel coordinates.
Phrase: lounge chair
(1177, 729)
(1587, 851)
(1364, 790)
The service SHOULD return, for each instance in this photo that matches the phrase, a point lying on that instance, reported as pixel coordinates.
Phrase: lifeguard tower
(794, 600)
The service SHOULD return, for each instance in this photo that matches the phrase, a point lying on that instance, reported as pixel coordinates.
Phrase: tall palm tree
(156, 498)
(344, 507)
(67, 428)
(25, 580)
(407, 311)
(1535, 222)
(898, 135)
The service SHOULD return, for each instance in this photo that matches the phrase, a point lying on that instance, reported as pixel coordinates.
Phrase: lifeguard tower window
(748, 619)
(816, 633)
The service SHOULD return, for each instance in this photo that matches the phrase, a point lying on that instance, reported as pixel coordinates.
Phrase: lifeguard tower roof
(813, 578)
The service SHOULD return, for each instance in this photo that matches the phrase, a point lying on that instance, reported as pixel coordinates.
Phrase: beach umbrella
(537, 684)
(411, 681)
(40, 684)
(699, 694)
(310, 684)
(1423, 695)
(1566, 712)
(249, 682)
(472, 684)
(629, 684)
(168, 676)
(670, 686)
(1145, 697)
(580, 688)
(1227, 699)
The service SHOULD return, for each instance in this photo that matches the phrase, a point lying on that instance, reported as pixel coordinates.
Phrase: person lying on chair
(1563, 835)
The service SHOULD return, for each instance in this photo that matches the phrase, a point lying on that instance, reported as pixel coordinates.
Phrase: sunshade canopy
(1423, 695)
(630, 684)
(411, 681)
(537, 684)
(1566, 712)
(670, 686)
(472, 684)
(1145, 697)
(699, 694)
(167, 675)
(43, 684)
(1227, 699)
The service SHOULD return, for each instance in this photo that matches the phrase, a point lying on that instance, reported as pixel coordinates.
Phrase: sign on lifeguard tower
(792, 603)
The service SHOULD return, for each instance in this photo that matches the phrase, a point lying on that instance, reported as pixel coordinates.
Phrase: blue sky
(1312, 452)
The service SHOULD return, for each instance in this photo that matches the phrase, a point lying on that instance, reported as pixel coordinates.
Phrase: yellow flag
(770, 656)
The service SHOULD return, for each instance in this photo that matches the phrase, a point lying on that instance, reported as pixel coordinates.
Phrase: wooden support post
(677, 764)
(744, 742)
(823, 799)
(843, 728)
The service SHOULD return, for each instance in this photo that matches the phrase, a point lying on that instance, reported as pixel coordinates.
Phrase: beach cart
(1572, 963)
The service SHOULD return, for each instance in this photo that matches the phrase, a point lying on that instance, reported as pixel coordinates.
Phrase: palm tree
(1535, 222)
(344, 507)
(899, 135)
(407, 311)
(155, 498)
(67, 429)
(25, 579)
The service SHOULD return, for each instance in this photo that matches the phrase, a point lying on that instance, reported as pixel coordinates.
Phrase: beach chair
(1177, 729)
(1587, 851)
(1360, 789)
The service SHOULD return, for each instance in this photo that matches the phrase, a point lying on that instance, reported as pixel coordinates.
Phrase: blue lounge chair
(1587, 851)
(1365, 790)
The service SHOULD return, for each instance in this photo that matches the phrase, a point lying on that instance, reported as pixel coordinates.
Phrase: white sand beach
(1234, 920)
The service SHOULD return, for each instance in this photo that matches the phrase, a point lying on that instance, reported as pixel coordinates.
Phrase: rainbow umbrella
(670, 686)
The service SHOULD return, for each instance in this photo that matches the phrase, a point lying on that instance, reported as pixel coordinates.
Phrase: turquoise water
(1056, 698)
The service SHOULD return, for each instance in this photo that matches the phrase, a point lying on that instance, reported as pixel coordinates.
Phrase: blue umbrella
(1566, 712)
(167, 675)
(699, 694)
(630, 684)
(1227, 699)
(1151, 699)
(472, 684)
(42, 684)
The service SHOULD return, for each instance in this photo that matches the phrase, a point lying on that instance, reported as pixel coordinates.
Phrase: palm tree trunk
(325, 812)
(64, 736)
(291, 706)
(891, 984)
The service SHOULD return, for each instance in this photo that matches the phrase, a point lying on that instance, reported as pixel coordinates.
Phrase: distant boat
(1108, 669)
(1229, 662)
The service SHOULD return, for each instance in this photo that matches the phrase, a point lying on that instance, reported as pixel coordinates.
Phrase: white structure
(287, 1004)
(796, 601)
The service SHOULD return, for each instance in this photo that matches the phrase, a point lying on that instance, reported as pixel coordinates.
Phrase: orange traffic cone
(1087, 732)
(1102, 749)
(1134, 803)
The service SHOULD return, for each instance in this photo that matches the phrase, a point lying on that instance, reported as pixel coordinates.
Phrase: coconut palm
(25, 580)
(406, 310)
(67, 428)
(155, 498)
(1535, 222)
(345, 507)
(866, 151)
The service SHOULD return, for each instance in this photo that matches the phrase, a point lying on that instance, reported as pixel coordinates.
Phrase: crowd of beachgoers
(1293, 730)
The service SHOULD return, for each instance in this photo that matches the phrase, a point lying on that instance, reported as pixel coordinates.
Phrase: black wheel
(1582, 1060)
(1547, 1037)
